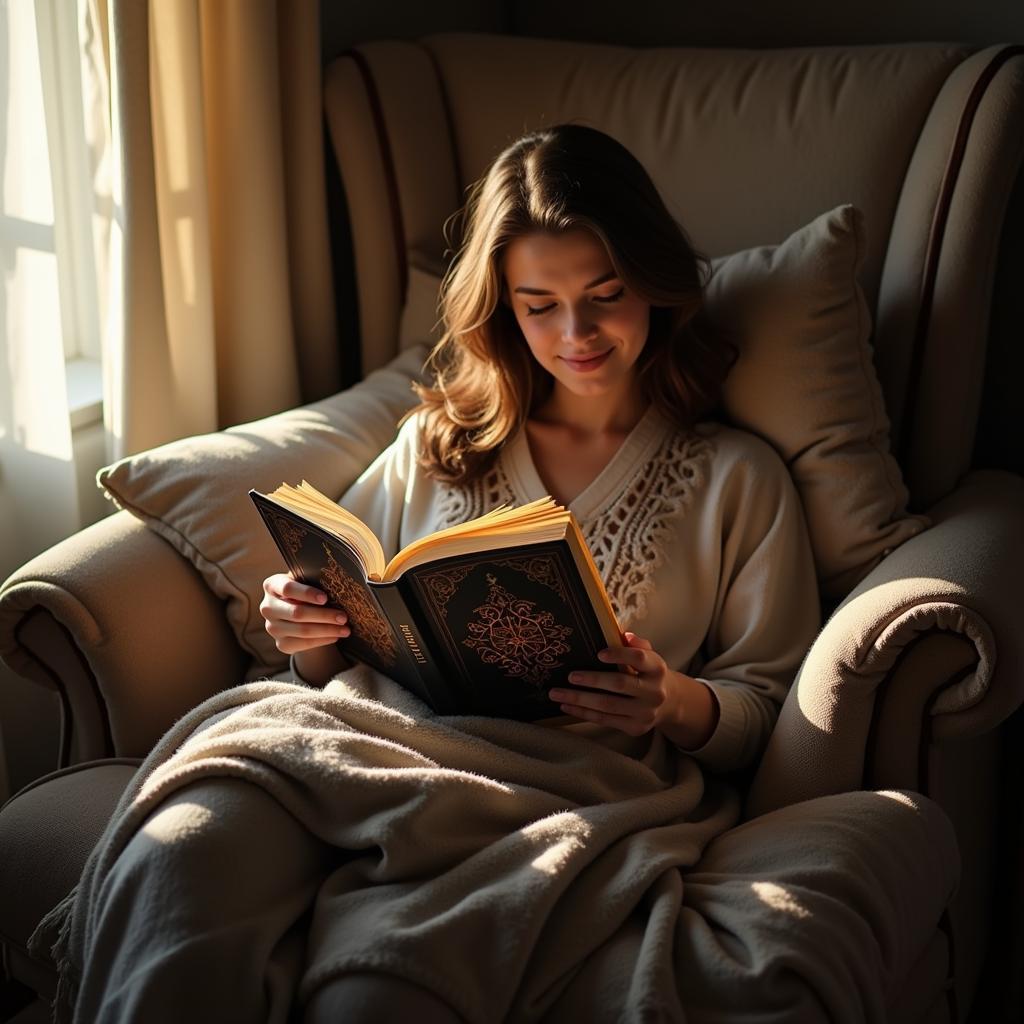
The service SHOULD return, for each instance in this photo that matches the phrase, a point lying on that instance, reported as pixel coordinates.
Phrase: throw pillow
(194, 492)
(806, 383)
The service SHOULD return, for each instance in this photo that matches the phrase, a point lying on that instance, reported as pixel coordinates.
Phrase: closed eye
(537, 310)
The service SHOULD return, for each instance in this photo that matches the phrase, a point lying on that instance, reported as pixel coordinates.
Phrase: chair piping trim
(388, 162)
(66, 720)
(936, 236)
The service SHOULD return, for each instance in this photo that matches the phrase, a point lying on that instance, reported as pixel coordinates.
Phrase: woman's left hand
(634, 702)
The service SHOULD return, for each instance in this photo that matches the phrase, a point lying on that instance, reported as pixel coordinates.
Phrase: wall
(657, 23)
(774, 23)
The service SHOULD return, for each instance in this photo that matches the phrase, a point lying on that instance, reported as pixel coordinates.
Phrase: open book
(481, 618)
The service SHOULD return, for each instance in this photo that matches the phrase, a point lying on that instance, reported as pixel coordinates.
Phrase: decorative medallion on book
(366, 620)
(510, 632)
(291, 534)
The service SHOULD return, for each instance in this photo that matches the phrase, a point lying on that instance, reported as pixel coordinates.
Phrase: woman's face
(582, 324)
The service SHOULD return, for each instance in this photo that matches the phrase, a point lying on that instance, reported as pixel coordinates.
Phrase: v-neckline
(522, 469)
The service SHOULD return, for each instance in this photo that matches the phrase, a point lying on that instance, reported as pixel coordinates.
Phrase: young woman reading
(571, 366)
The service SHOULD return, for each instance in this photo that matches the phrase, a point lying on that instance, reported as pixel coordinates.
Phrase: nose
(578, 327)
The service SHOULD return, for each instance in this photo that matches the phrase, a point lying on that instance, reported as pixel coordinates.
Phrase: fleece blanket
(521, 872)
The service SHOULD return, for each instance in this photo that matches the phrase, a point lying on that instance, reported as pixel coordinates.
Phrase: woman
(571, 366)
(288, 853)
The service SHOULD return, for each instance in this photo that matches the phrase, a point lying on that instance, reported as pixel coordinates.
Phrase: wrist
(317, 665)
(694, 716)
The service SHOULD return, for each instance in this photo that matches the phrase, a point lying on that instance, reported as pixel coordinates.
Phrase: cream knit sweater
(700, 540)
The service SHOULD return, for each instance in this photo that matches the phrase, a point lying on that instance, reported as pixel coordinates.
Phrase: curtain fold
(219, 245)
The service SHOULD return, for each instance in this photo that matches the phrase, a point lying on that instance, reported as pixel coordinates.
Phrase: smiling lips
(585, 365)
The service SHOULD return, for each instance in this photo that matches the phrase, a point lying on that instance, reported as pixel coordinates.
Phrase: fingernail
(341, 618)
(605, 655)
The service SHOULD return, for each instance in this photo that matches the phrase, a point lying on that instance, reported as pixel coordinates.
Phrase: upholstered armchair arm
(926, 649)
(125, 631)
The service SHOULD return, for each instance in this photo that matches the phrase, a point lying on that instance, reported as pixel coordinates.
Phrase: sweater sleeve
(766, 612)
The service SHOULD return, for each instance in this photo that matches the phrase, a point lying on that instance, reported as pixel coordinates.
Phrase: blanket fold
(492, 862)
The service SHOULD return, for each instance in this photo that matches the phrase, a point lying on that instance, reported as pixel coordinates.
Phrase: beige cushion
(194, 492)
(805, 382)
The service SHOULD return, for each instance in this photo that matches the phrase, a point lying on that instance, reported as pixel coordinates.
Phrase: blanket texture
(521, 872)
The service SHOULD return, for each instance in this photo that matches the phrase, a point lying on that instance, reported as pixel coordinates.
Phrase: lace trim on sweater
(629, 537)
(459, 504)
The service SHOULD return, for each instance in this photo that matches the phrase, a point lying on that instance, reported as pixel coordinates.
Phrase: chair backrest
(746, 146)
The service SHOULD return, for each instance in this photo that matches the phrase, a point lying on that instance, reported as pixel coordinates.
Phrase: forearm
(693, 715)
(319, 664)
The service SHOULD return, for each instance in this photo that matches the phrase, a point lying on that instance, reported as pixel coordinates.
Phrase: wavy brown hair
(486, 380)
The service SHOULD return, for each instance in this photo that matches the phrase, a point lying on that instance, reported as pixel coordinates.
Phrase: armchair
(919, 664)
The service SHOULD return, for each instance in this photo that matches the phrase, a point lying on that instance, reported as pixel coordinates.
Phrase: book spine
(422, 657)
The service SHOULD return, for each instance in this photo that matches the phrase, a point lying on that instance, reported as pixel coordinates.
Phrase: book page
(541, 520)
(306, 500)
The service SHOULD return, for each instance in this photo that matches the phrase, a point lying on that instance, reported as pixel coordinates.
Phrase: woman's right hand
(296, 617)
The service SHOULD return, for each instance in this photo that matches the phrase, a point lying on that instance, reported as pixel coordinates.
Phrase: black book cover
(486, 633)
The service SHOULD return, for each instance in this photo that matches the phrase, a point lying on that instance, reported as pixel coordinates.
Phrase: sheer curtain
(208, 270)
(220, 250)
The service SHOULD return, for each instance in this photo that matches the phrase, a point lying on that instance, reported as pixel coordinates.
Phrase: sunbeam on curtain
(228, 312)
(208, 285)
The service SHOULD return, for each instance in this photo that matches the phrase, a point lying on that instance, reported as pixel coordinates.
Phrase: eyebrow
(610, 276)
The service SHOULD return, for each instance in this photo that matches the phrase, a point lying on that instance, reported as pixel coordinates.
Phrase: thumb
(632, 640)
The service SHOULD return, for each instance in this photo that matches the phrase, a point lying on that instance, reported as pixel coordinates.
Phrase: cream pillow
(194, 492)
(806, 383)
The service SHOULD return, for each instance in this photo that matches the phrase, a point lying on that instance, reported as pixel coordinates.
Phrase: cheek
(632, 322)
(537, 333)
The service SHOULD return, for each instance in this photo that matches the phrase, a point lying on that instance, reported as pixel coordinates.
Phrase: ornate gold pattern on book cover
(526, 644)
(538, 570)
(365, 618)
(443, 584)
(290, 534)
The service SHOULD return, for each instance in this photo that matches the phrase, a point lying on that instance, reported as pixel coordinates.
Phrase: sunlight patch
(779, 899)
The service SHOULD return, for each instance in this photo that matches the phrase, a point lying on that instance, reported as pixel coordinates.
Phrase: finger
(634, 657)
(294, 590)
(277, 608)
(624, 723)
(638, 641)
(607, 704)
(282, 628)
(613, 682)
